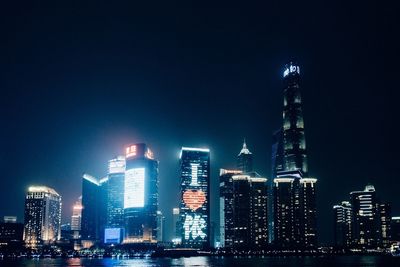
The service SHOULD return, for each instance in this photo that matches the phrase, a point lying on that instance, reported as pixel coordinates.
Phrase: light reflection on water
(343, 261)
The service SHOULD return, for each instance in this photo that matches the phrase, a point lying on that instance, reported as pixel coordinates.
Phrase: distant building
(160, 227)
(76, 215)
(365, 224)
(395, 229)
(42, 219)
(385, 218)
(195, 197)
(140, 195)
(115, 193)
(226, 206)
(342, 224)
(76, 218)
(11, 232)
(245, 159)
(250, 226)
(175, 224)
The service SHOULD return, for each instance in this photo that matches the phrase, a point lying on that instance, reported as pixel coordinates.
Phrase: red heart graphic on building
(194, 199)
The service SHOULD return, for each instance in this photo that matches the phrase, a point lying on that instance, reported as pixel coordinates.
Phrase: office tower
(309, 212)
(140, 195)
(395, 229)
(226, 206)
(294, 193)
(175, 224)
(11, 232)
(250, 226)
(42, 216)
(93, 208)
(245, 159)
(365, 224)
(294, 144)
(342, 224)
(195, 197)
(385, 217)
(115, 194)
(160, 226)
(294, 211)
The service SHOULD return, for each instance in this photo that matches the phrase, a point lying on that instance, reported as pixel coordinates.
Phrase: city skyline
(76, 91)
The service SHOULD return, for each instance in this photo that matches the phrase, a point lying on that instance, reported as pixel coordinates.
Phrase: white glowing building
(42, 216)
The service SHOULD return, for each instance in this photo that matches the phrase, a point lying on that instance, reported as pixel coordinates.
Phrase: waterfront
(343, 261)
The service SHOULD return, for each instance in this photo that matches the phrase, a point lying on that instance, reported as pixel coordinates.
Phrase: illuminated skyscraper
(195, 197)
(245, 159)
(294, 143)
(140, 195)
(42, 216)
(342, 222)
(160, 226)
(115, 193)
(365, 224)
(226, 206)
(395, 228)
(294, 199)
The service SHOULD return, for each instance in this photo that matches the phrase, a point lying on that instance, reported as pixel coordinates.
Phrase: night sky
(82, 79)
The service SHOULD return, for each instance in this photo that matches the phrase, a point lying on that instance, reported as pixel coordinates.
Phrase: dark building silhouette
(11, 233)
(395, 228)
(195, 197)
(226, 206)
(342, 224)
(245, 159)
(94, 196)
(140, 195)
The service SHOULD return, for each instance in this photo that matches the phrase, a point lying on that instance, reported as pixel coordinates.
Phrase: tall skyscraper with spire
(294, 143)
(245, 159)
(293, 217)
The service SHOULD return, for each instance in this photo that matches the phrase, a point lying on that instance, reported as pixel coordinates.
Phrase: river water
(327, 261)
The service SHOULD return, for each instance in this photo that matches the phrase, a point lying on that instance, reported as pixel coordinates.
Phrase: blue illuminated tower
(195, 197)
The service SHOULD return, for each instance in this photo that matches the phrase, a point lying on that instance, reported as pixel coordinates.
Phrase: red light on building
(194, 199)
(130, 151)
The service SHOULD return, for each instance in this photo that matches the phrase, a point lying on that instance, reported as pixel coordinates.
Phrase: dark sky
(80, 80)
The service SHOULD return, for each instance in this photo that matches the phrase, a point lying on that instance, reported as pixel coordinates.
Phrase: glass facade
(195, 197)
(115, 193)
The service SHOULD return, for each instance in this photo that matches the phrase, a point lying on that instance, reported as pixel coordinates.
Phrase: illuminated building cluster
(363, 222)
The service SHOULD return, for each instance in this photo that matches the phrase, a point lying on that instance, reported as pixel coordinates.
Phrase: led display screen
(194, 227)
(194, 199)
(134, 188)
(112, 235)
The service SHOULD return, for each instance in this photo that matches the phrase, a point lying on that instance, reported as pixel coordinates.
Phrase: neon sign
(130, 151)
(194, 227)
(194, 199)
(291, 69)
